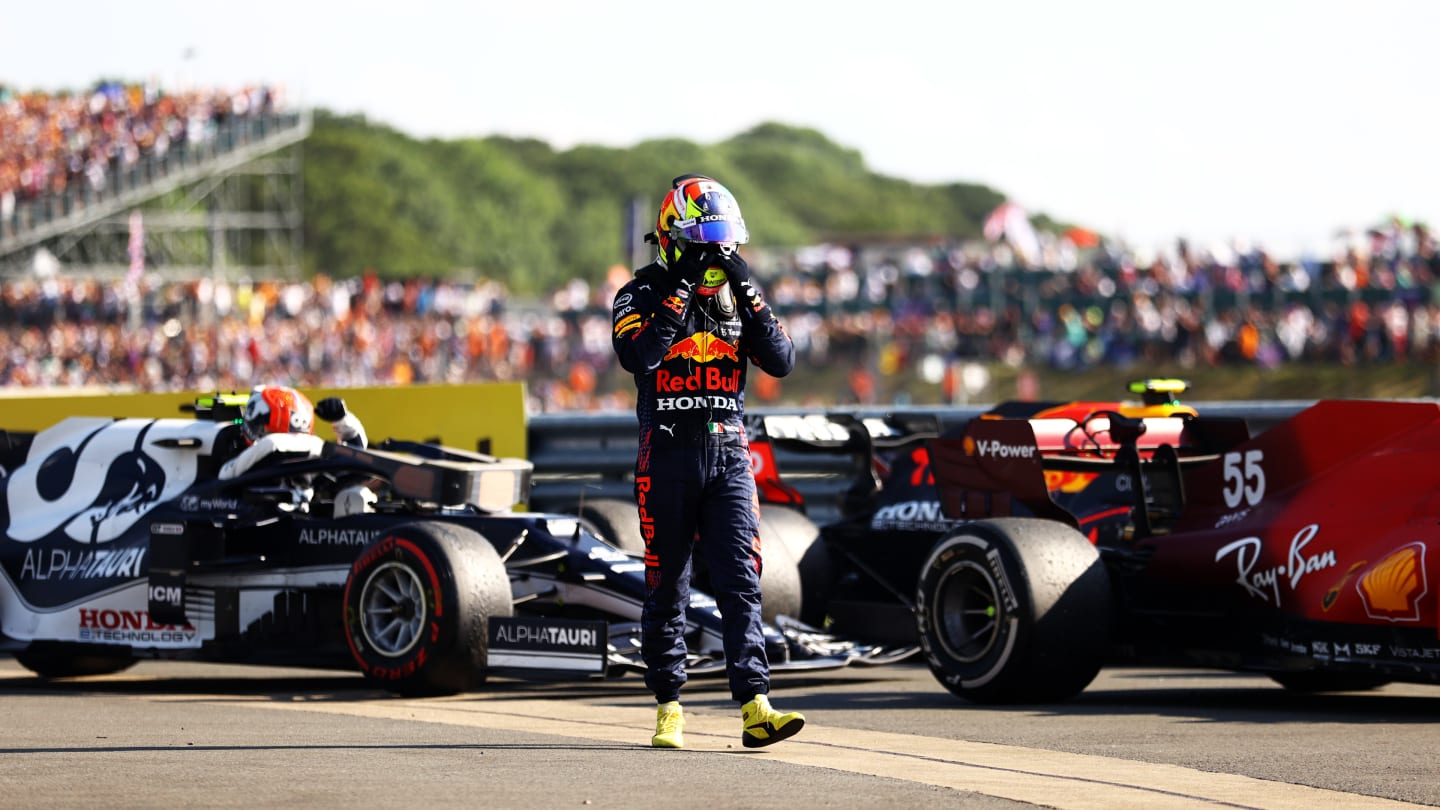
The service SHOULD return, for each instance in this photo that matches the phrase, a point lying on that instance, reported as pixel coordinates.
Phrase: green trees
(519, 211)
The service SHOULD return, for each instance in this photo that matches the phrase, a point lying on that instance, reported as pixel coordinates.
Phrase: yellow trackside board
(458, 415)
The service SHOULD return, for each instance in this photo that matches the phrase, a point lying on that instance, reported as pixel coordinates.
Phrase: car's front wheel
(1014, 611)
(417, 607)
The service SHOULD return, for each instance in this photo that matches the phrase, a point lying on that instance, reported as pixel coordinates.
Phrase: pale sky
(1279, 122)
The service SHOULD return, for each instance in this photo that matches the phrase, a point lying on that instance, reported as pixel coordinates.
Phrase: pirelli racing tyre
(417, 607)
(618, 523)
(1312, 681)
(1014, 611)
(779, 580)
(55, 660)
(800, 536)
(615, 521)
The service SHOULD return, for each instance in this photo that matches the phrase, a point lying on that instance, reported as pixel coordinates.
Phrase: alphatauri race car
(1041, 542)
(793, 560)
(119, 541)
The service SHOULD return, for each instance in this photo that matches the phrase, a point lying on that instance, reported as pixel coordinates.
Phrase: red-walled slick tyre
(417, 608)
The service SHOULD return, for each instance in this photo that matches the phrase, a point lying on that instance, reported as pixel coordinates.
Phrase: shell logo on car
(1392, 588)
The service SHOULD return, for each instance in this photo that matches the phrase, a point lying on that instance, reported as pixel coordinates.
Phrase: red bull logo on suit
(703, 379)
(714, 386)
(703, 347)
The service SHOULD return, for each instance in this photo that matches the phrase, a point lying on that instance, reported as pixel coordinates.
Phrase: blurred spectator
(70, 144)
(875, 314)
(876, 311)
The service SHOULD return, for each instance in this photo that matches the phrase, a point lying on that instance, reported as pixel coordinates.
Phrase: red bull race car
(1040, 542)
(120, 540)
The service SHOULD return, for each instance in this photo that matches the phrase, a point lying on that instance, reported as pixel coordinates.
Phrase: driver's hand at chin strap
(684, 277)
(747, 294)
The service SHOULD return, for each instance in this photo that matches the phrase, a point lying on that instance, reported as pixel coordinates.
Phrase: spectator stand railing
(236, 141)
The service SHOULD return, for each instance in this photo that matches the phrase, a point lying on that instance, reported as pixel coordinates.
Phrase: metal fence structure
(79, 225)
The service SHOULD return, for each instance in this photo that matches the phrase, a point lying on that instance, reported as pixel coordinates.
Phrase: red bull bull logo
(703, 347)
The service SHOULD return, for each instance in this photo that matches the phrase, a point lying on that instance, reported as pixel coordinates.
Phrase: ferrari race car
(1044, 541)
(407, 561)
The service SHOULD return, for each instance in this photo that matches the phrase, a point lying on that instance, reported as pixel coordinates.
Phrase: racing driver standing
(687, 326)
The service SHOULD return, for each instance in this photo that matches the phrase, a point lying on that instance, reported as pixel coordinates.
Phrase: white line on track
(1050, 778)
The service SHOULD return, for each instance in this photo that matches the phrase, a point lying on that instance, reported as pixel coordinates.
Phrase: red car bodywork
(1307, 547)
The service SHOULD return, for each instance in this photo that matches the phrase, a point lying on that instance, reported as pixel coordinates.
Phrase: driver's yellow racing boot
(669, 726)
(762, 725)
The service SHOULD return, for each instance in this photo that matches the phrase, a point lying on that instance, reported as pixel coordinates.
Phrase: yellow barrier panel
(458, 415)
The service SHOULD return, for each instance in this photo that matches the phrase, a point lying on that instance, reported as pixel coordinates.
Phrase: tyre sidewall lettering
(983, 553)
(394, 549)
(434, 600)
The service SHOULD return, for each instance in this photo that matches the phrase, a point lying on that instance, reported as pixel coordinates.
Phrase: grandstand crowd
(881, 314)
(876, 310)
(69, 145)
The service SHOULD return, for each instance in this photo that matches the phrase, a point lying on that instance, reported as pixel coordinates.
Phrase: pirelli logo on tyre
(1002, 582)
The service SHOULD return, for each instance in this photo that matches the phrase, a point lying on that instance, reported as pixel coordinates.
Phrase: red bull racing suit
(692, 474)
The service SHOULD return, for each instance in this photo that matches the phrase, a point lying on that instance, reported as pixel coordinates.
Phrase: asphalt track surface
(170, 734)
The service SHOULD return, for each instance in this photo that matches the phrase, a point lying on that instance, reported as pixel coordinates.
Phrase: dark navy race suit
(692, 473)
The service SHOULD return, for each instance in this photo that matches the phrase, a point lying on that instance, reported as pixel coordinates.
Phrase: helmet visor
(712, 230)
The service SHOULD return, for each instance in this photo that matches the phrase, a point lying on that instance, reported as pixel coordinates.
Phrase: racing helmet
(276, 409)
(699, 209)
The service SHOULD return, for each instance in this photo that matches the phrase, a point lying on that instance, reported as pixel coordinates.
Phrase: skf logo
(702, 347)
(1392, 588)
